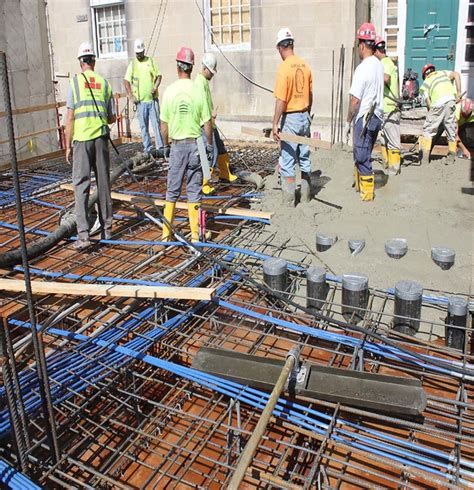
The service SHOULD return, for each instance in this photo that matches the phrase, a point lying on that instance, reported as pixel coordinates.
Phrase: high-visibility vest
(88, 123)
(438, 85)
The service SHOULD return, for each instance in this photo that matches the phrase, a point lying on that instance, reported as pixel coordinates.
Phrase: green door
(431, 34)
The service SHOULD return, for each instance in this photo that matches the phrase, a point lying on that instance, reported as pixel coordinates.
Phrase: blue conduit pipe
(12, 478)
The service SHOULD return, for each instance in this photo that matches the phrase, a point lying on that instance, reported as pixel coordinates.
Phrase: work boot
(367, 185)
(356, 179)
(82, 244)
(393, 161)
(385, 157)
(193, 213)
(223, 163)
(452, 149)
(168, 213)
(425, 150)
(305, 187)
(207, 188)
(288, 188)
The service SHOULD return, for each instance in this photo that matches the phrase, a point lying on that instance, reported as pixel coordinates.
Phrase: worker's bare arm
(280, 107)
(68, 134)
(354, 104)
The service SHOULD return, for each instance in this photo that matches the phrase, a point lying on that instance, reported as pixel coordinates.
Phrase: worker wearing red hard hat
(390, 132)
(440, 97)
(183, 111)
(293, 100)
(365, 110)
(220, 156)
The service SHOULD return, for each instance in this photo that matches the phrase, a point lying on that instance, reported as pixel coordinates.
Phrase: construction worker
(365, 110)
(183, 111)
(440, 97)
(90, 109)
(220, 155)
(294, 97)
(142, 80)
(390, 133)
(465, 119)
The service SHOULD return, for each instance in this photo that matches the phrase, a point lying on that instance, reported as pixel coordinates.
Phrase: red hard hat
(427, 67)
(466, 108)
(185, 55)
(379, 40)
(366, 32)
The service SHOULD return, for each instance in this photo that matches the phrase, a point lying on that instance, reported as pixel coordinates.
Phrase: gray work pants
(390, 132)
(184, 161)
(87, 155)
(441, 117)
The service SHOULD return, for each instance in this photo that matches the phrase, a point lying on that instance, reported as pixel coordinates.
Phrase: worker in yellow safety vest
(220, 156)
(90, 109)
(440, 97)
(465, 120)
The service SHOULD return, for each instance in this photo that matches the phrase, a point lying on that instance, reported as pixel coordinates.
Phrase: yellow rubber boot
(207, 188)
(356, 179)
(168, 213)
(224, 168)
(383, 149)
(393, 161)
(367, 185)
(452, 149)
(425, 149)
(193, 212)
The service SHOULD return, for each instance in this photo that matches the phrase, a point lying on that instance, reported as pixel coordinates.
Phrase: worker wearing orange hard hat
(183, 112)
(293, 100)
(365, 111)
(390, 132)
(440, 96)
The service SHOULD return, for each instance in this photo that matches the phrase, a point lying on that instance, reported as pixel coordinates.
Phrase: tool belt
(185, 140)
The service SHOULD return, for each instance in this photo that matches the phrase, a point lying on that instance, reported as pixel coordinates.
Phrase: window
(109, 29)
(229, 21)
(469, 53)
(391, 27)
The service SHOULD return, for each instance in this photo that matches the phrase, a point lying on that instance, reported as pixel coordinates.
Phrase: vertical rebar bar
(38, 348)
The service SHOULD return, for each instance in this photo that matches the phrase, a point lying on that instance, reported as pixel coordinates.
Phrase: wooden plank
(292, 138)
(29, 135)
(35, 108)
(119, 196)
(115, 291)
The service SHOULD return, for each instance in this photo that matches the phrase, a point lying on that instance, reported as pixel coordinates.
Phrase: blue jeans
(295, 123)
(149, 111)
(363, 145)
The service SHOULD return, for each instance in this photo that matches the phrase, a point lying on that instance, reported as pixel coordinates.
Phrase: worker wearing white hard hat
(294, 97)
(220, 157)
(90, 109)
(142, 80)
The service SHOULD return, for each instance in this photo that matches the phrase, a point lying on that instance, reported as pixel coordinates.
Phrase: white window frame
(96, 4)
(226, 47)
(461, 41)
(401, 34)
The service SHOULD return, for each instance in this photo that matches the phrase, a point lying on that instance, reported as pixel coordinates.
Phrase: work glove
(347, 132)
(209, 152)
(166, 151)
(134, 100)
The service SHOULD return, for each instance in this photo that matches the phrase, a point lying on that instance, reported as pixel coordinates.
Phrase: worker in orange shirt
(294, 98)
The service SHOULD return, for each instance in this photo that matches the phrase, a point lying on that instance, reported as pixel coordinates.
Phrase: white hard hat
(139, 46)
(210, 62)
(284, 34)
(85, 49)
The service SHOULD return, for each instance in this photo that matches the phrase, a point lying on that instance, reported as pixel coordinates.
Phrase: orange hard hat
(185, 55)
(379, 41)
(366, 32)
(428, 67)
(466, 108)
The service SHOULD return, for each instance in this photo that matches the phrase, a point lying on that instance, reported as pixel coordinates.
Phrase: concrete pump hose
(251, 178)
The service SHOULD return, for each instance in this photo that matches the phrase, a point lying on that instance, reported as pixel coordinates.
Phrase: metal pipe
(42, 371)
(251, 446)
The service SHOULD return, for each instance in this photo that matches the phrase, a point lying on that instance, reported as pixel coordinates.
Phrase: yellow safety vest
(438, 85)
(88, 123)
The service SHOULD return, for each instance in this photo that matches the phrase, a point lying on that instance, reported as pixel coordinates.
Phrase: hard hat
(466, 108)
(428, 67)
(85, 49)
(366, 32)
(379, 42)
(284, 34)
(139, 46)
(210, 62)
(185, 55)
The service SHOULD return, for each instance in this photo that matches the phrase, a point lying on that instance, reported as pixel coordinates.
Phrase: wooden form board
(292, 138)
(115, 291)
(119, 196)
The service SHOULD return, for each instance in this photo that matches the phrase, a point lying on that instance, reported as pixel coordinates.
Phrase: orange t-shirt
(294, 83)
